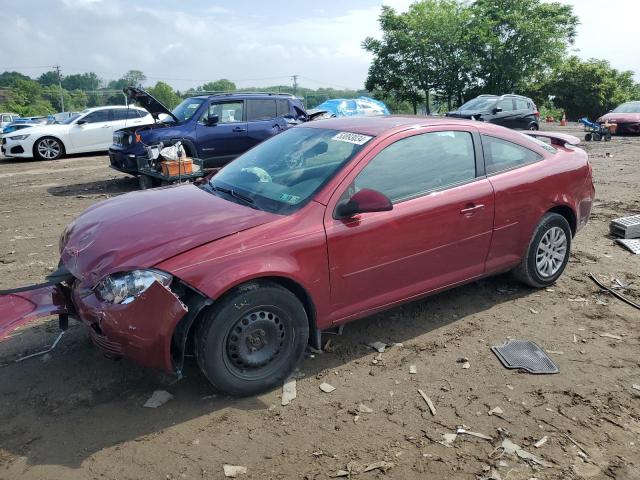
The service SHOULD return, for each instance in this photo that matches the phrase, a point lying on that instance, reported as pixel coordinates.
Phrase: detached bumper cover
(20, 308)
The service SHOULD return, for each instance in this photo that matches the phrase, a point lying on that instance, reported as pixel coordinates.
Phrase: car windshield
(71, 119)
(185, 110)
(631, 107)
(281, 174)
(480, 103)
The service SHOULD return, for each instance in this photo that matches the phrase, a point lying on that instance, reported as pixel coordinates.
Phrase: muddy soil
(74, 414)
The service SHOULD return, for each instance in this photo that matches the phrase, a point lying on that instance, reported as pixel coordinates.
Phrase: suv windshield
(631, 107)
(185, 110)
(281, 174)
(479, 103)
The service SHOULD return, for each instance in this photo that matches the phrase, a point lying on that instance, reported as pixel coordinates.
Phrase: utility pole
(295, 84)
(57, 67)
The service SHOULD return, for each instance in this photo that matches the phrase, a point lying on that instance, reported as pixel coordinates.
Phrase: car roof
(376, 126)
(94, 109)
(246, 94)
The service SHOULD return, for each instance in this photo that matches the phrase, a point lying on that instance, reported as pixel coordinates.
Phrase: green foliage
(48, 78)
(7, 79)
(590, 88)
(165, 95)
(222, 85)
(81, 81)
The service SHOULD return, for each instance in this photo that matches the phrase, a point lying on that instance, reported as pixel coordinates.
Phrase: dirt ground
(74, 414)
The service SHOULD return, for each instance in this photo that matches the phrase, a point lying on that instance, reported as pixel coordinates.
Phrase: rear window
(283, 107)
(261, 109)
(501, 155)
(522, 104)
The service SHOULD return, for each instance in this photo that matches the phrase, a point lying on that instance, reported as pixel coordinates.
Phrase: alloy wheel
(49, 148)
(551, 252)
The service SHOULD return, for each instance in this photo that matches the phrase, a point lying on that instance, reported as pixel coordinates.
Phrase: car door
(506, 115)
(221, 142)
(93, 131)
(438, 233)
(262, 120)
(523, 114)
(125, 117)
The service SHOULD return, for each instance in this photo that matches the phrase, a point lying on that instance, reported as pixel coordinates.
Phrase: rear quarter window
(501, 155)
(261, 109)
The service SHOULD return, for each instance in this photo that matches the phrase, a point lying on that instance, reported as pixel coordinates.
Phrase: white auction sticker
(354, 138)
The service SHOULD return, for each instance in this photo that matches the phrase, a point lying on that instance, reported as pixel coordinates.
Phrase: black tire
(597, 137)
(532, 126)
(145, 182)
(48, 148)
(588, 137)
(607, 137)
(529, 271)
(252, 338)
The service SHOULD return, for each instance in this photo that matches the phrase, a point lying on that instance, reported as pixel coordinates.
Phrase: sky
(252, 42)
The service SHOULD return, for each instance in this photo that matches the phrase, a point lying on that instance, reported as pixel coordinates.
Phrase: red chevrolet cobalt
(324, 223)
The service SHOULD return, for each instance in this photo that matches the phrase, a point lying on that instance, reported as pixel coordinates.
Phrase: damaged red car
(626, 116)
(322, 224)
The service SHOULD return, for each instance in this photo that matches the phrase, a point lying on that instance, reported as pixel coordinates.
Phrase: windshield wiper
(233, 193)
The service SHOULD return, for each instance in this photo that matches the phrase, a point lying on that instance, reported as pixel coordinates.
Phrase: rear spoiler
(558, 139)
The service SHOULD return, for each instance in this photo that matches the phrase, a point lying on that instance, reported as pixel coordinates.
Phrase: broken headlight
(124, 287)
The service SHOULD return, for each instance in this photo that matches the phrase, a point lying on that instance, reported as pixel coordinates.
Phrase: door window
(261, 109)
(506, 105)
(97, 116)
(125, 113)
(522, 104)
(228, 112)
(6, 118)
(500, 155)
(419, 164)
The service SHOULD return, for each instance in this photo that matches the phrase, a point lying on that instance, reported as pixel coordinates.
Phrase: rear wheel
(597, 137)
(48, 148)
(251, 339)
(588, 137)
(145, 182)
(548, 252)
(533, 126)
(607, 137)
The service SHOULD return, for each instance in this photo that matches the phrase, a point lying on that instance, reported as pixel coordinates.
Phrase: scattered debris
(462, 360)
(509, 447)
(448, 439)
(525, 355)
(635, 386)
(555, 352)
(232, 471)
(362, 408)
(578, 300)
(43, 352)
(288, 391)
(496, 411)
(575, 338)
(158, 398)
(462, 431)
(339, 473)
(610, 335)
(432, 408)
(413, 369)
(534, 311)
(625, 227)
(541, 442)
(614, 293)
(326, 388)
(378, 346)
(381, 465)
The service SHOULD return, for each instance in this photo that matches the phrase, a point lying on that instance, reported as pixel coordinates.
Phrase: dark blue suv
(215, 128)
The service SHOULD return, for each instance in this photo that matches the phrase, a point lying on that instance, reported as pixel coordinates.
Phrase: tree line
(440, 53)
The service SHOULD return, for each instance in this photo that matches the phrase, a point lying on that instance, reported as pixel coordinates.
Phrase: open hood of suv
(150, 104)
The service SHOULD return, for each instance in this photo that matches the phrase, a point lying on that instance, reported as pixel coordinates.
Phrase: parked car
(512, 111)
(325, 223)
(7, 118)
(90, 131)
(350, 107)
(214, 128)
(626, 116)
(61, 116)
(14, 126)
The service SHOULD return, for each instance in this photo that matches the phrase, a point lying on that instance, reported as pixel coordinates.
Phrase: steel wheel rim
(48, 148)
(256, 342)
(551, 252)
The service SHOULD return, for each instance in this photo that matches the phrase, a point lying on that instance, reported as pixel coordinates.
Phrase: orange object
(172, 168)
(563, 122)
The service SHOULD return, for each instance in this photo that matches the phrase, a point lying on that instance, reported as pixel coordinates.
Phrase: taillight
(138, 138)
(537, 114)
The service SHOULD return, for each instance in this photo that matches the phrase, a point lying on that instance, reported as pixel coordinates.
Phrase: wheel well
(568, 214)
(64, 149)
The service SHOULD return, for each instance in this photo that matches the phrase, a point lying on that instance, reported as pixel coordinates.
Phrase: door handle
(470, 209)
(238, 129)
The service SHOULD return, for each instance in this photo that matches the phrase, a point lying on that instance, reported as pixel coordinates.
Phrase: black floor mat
(525, 355)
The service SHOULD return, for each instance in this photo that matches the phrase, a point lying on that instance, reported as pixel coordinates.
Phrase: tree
(81, 81)
(165, 95)
(48, 78)
(7, 79)
(516, 41)
(590, 88)
(133, 78)
(222, 85)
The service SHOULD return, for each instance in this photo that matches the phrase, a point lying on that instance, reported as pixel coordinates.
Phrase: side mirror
(366, 200)
(81, 122)
(497, 109)
(212, 120)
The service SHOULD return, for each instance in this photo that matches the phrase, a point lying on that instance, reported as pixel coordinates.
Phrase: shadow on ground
(109, 187)
(77, 402)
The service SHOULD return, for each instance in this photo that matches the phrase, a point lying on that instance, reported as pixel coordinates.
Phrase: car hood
(51, 129)
(142, 229)
(150, 104)
(614, 117)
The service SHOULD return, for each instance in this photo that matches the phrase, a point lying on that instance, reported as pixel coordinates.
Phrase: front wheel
(547, 254)
(48, 148)
(533, 126)
(588, 137)
(251, 339)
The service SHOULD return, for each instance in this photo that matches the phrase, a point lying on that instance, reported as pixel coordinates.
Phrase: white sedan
(89, 131)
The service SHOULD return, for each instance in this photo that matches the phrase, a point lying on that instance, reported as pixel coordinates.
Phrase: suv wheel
(548, 252)
(251, 339)
(533, 126)
(48, 148)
